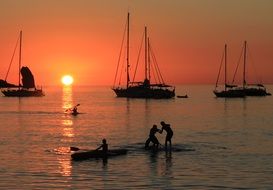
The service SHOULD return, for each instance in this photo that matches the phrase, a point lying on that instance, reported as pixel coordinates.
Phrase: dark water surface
(232, 139)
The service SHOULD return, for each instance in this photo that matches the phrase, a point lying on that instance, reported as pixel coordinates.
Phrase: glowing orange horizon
(188, 42)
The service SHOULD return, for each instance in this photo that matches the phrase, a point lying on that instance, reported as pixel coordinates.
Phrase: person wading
(169, 135)
(152, 138)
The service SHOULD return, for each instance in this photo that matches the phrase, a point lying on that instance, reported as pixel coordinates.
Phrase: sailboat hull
(144, 92)
(256, 92)
(27, 88)
(230, 93)
(158, 90)
(23, 93)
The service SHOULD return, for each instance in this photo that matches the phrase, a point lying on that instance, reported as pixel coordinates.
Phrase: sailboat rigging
(143, 89)
(28, 88)
(230, 91)
(250, 89)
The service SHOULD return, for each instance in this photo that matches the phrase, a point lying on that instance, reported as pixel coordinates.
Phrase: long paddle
(74, 148)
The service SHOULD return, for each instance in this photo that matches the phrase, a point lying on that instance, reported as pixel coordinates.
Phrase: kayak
(72, 113)
(97, 154)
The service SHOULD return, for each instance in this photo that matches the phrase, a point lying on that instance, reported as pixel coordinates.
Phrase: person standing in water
(152, 137)
(167, 128)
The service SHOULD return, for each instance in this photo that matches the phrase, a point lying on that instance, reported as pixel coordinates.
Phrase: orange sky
(83, 37)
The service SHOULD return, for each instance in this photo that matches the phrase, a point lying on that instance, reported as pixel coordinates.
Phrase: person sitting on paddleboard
(104, 146)
(167, 128)
(152, 137)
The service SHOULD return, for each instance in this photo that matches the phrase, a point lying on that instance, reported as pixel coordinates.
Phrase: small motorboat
(185, 96)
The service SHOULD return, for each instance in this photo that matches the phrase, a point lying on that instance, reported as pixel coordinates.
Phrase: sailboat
(28, 88)
(250, 89)
(143, 89)
(230, 91)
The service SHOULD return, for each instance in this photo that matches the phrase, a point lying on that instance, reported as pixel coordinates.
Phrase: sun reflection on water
(68, 130)
(65, 166)
(67, 122)
(67, 97)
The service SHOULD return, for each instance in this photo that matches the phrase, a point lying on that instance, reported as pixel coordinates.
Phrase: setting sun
(67, 80)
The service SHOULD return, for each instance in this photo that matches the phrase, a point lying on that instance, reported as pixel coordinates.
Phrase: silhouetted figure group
(152, 138)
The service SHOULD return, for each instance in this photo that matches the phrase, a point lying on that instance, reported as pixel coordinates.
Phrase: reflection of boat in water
(83, 155)
(28, 89)
(229, 91)
(145, 89)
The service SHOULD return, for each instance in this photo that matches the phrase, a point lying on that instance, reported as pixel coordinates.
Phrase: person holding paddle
(74, 110)
(104, 146)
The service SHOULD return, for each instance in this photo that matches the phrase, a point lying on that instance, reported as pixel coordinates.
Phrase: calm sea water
(232, 139)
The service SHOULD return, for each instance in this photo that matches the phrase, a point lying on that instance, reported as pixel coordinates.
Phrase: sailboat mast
(244, 73)
(149, 61)
(20, 56)
(145, 52)
(225, 67)
(128, 64)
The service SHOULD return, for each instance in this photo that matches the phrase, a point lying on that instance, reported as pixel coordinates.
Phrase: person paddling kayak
(104, 146)
(73, 111)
